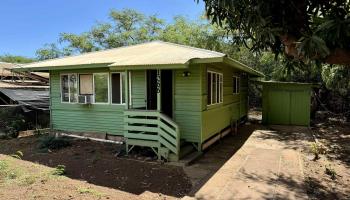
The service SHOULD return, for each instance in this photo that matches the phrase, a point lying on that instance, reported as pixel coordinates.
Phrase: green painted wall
(217, 117)
(138, 88)
(187, 106)
(196, 120)
(83, 118)
(286, 104)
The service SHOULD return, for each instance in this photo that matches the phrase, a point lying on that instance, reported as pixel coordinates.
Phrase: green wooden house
(157, 94)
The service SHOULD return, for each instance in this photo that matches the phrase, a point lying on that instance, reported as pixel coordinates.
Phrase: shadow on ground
(335, 134)
(217, 155)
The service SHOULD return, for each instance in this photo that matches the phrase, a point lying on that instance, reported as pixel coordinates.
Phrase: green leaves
(319, 26)
(311, 47)
(125, 27)
(15, 59)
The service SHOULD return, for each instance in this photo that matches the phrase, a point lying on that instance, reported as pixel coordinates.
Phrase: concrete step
(190, 158)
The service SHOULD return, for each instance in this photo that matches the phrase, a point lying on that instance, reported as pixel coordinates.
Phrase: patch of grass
(27, 180)
(60, 170)
(18, 155)
(52, 142)
(90, 191)
(6, 172)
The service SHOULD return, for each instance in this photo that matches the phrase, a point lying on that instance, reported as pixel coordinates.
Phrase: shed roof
(36, 98)
(156, 53)
(5, 70)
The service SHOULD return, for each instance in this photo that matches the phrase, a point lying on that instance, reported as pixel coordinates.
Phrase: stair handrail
(165, 120)
(175, 126)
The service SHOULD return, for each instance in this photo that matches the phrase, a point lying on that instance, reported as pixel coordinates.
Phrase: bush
(18, 155)
(59, 170)
(51, 142)
(12, 122)
(317, 149)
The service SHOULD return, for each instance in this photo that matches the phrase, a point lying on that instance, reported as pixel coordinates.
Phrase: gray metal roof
(151, 53)
(36, 98)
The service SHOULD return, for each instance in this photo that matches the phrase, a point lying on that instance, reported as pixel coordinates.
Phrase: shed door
(279, 102)
(300, 108)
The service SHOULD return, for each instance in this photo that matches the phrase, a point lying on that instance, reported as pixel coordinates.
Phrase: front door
(151, 89)
(167, 92)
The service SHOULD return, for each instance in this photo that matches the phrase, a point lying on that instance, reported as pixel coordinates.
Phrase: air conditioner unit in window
(85, 99)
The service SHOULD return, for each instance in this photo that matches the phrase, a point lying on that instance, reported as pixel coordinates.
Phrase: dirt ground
(334, 135)
(95, 163)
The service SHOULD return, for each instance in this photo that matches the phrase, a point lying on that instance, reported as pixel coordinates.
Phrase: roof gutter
(153, 66)
(242, 67)
(64, 67)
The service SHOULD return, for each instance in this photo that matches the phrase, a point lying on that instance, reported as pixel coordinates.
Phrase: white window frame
(68, 74)
(237, 84)
(218, 92)
(130, 88)
(108, 91)
(122, 85)
(109, 81)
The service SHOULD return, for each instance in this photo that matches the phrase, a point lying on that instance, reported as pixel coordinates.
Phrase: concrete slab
(266, 166)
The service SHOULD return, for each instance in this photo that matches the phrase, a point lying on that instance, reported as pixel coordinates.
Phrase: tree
(305, 30)
(126, 27)
(49, 51)
(15, 59)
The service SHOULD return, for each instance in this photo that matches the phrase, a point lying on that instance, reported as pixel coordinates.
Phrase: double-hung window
(235, 85)
(101, 87)
(69, 88)
(118, 90)
(215, 88)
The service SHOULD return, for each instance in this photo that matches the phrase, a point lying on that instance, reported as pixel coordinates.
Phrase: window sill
(213, 106)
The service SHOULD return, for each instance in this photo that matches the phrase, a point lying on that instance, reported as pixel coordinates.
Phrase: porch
(149, 119)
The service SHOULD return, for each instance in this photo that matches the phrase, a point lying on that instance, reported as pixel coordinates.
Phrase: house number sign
(158, 81)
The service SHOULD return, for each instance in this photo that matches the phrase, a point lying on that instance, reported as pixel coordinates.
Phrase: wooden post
(126, 89)
(159, 89)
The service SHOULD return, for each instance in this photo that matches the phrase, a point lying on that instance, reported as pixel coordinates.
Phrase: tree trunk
(337, 56)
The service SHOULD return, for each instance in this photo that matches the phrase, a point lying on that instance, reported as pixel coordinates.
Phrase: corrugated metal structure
(286, 103)
(175, 94)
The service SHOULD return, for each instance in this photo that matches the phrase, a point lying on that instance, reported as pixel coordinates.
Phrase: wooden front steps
(149, 128)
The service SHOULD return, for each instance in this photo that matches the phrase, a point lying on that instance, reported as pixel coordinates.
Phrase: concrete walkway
(267, 166)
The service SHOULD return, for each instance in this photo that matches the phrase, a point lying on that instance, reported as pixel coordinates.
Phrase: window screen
(86, 84)
(101, 87)
(215, 88)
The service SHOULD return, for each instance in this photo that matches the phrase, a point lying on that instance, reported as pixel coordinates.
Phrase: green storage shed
(286, 103)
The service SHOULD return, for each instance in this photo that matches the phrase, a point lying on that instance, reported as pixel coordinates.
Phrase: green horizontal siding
(234, 106)
(187, 103)
(138, 88)
(104, 118)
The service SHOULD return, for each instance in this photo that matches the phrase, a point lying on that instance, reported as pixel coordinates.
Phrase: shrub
(331, 172)
(12, 122)
(317, 149)
(59, 170)
(18, 155)
(51, 142)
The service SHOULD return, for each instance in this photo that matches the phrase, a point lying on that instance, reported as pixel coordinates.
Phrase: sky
(26, 26)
